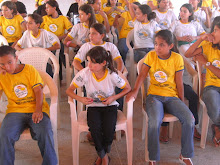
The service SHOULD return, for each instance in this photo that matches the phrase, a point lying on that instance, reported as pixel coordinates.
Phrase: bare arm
(141, 77)
(77, 64)
(17, 47)
(179, 84)
(152, 5)
(71, 44)
(202, 60)
(193, 50)
(37, 116)
(106, 23)
(131, 10)
(54, 47)
(70, 92)
(23, 26)
(120, 64)
(208, 20)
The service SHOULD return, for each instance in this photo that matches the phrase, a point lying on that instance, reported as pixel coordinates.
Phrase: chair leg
(144, 127)
(205, 124)
(129, 140)
(56, 144)
(171, 129)
(146, 143)
(118, 135)
(75, 146)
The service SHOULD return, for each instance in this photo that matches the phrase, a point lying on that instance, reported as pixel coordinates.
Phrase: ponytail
(145, 9)
(98, 54)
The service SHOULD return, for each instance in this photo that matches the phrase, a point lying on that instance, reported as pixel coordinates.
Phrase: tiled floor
(27, 152)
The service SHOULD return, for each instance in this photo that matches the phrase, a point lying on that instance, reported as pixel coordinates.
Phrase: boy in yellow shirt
(26, 108)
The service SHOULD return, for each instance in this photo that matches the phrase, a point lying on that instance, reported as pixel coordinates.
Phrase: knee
(190, 120)
(154, 124)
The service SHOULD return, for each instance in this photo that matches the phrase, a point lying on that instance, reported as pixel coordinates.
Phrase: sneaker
(185, 161)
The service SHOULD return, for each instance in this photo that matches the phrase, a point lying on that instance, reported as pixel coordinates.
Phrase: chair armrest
(73, 113)
(53, 114)
(130, 109)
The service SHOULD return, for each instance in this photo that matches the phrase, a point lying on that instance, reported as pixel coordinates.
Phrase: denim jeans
(140, 53)
(211, 98)
(155, 110)
(123, 49)
(12, 127)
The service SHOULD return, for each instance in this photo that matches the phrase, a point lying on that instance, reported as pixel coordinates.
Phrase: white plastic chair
(3, 40)
(57, 39)
(79, 124)
(133, 65)
(167, 117)
(48, 82)
(39, 57)
(115, 36)
(205, 117)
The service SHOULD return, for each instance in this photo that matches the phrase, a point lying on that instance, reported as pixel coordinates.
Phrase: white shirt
(164, 19)
(192, 28)
(215, 13)
(80, 33)
(100, 89)
(81, 54)
(44, 39)
(200, 16)
(144, 34)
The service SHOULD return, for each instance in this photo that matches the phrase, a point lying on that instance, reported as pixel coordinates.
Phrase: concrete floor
(27, 152)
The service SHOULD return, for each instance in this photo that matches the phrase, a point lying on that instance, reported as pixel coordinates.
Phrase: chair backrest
(199, 69)
(3, 41)
(129, 39)
(39, 57)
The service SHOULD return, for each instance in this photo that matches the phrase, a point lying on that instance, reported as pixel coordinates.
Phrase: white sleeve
(114, 52)
(22, 40)
(80, 78)
(199, 28)
(74, 31)
(174, 18)
(50, 38)
(156, 27)
(81, 54)
(117, 80)
(173, 26)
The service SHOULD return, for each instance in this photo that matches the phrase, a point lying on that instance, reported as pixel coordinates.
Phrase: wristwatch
(208, 63)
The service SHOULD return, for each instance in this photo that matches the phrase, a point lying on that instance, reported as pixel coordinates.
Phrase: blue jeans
(123, 49)
(211, 98)
(12, 127)
(155, 110)
(140, 53)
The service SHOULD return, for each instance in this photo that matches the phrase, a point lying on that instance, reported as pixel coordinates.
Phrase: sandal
(164, 138)
(185, 161)
(96, 160)
(214, 138)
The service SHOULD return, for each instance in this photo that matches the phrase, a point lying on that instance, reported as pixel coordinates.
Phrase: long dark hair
(190, 8)
(100, 28)
(86, 8)
(109, 4)
(145, 9)
(167, 36)
(98, 54)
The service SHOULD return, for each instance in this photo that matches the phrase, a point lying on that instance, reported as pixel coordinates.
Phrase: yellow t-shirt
(99, 18)
(11, 28)
(154, 2)
(40, 2)
(103, 3)
(19, 90)
(162, 73)
(123, 4)
(207, 3)
(56, 25)
(111, 16)
(213, 56)
(127, 25)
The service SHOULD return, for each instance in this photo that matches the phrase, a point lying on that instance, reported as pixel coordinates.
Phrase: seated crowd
(169, 46)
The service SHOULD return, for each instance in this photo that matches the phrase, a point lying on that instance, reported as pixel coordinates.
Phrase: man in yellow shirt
(26, 108)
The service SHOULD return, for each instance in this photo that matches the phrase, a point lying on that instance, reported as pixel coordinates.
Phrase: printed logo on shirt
(104, 5)
(164, 24)
(53, 27)
(216, 63)
(131, 24)
(98, 96)
(113, 15)
(160, 76)
(10, 30)
(20, 91)
(143, 34)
